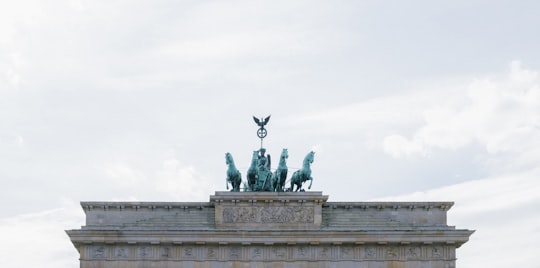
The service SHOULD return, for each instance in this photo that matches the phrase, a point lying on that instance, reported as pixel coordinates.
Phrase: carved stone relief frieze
(288, 214)
(188, 252)
(324, 252)
(436, 252)
(302, 252)
(99, 252)
(412, 252)
(166, 252)
(144, 252)
(281, 252)
(121, 252)
(235, 252)
(256, 253)
(346, 252)
(211, 252)
(370, 252)
(391, 252)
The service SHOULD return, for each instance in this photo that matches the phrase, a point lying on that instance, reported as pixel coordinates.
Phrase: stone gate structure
(267, 229)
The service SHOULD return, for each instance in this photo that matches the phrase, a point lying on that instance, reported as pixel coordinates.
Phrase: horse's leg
(282, 181)
(238, 182)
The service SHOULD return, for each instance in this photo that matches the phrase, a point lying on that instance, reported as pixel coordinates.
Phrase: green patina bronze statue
(233, 175)
(304, 174)
(280, 175)
(264, 175)
(259, 175)
(261, 132)
(252, 172)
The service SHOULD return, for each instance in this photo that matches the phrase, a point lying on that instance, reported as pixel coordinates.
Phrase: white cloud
(519, 74)
(19, 141)
(398, 146)
(38, 239)
(502, 210)
(182, 182)
(10, 64)
(13, 77)
(400, 110)
(497, 113)
(176, 181)
(124, 174)
(11, 141)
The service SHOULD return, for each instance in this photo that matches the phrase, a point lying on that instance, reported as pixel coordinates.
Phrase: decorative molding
(142, 206)
(380, 206)
(266, 252)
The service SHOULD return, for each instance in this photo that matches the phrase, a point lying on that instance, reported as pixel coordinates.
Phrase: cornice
(448, 236)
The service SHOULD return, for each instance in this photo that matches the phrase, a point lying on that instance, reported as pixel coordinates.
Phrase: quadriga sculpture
(233, 175)
(304, 174)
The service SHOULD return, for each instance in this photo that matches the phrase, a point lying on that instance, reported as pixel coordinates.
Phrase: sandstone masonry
(267, 229)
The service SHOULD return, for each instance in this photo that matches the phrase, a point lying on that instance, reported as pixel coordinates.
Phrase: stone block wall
(267, 230)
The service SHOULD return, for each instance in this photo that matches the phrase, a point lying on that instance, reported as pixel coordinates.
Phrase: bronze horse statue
(252, 171)
(280, 175)
(233, 175)
(304, 174)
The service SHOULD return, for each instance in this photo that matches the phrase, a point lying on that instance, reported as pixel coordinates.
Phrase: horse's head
(284, 153)
(228, 158)
(310, 157)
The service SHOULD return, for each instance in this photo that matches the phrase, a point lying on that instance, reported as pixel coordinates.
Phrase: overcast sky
(140, 100)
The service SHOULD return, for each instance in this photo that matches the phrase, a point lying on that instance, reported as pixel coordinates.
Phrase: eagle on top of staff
(261, 122)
